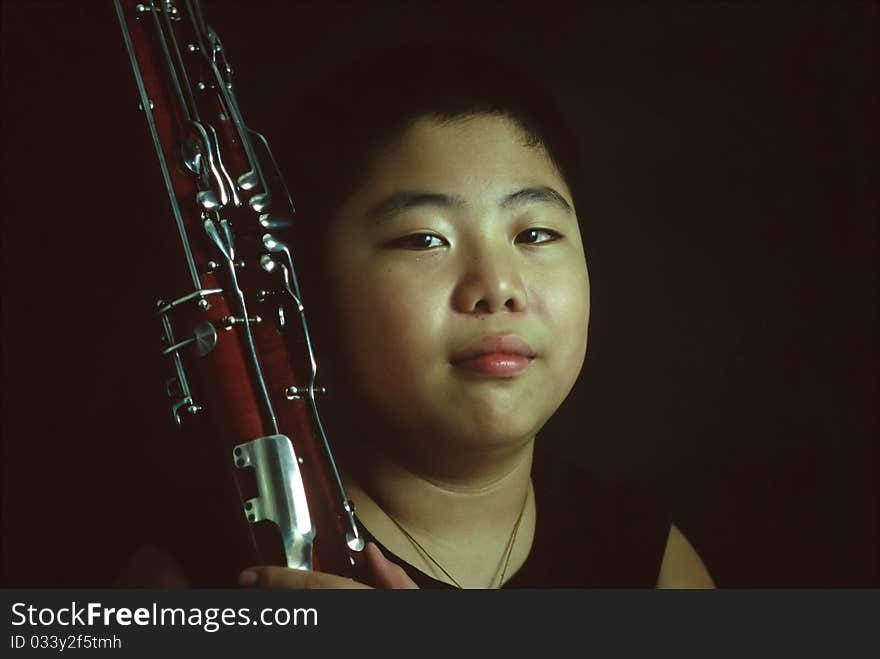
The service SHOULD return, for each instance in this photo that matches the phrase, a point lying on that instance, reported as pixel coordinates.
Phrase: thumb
(386, 573)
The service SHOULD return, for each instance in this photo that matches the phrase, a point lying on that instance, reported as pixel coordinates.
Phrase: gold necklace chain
(505, 557)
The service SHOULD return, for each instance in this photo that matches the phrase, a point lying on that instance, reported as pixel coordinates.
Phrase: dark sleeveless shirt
(588, 534)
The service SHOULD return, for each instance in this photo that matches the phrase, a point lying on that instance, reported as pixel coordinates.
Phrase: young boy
(440, 247)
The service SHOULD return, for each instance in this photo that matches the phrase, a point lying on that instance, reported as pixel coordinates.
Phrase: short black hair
(350, 110)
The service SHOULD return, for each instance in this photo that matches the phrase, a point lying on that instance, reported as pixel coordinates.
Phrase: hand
(385, 573)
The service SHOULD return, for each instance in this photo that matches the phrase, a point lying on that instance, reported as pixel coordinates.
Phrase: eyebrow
(406, 199)
(539, 195)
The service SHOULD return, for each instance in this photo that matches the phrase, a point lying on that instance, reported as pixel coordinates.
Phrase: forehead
(465, 156)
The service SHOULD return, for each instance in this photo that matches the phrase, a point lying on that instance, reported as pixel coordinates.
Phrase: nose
(491, 281)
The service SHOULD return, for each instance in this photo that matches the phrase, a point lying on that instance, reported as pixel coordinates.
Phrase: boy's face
(457, 234)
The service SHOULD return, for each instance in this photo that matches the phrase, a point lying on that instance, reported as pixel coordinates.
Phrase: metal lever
(204, 337)
(282, 497)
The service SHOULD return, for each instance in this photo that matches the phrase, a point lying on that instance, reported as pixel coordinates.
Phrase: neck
(464, 519)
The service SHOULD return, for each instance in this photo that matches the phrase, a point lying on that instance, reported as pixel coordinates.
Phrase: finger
(388, 574)
(270, 576)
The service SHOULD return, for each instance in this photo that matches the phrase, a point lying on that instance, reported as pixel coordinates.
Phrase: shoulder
(682, 566)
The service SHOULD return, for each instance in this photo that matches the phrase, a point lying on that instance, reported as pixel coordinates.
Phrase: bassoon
(234, 333)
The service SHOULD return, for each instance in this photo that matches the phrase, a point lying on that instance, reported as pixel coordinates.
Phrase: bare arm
(151, 567)
(682, 567)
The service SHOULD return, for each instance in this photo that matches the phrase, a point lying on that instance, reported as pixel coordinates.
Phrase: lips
(499, 355)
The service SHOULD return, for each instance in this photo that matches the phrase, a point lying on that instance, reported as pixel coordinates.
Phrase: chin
(496, 428)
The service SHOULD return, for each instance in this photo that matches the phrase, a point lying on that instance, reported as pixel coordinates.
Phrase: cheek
(390, 330)
(565, 304)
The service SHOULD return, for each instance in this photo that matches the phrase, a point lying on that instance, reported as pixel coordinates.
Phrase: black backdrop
(731, 233)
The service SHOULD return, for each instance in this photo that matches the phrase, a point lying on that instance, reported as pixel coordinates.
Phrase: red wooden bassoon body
(235, 337)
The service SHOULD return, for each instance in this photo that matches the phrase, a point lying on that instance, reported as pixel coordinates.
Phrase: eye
(536, 236)
(419, 241)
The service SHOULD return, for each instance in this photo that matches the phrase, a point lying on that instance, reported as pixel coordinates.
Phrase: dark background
(730, 155)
